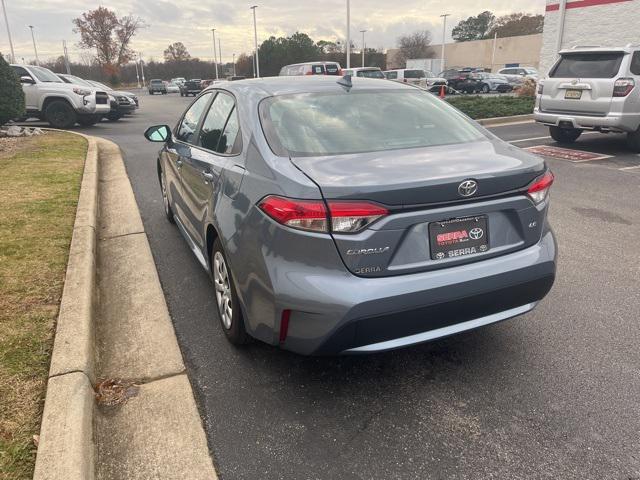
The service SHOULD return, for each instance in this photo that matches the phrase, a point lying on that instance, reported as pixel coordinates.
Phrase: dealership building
(607, 23)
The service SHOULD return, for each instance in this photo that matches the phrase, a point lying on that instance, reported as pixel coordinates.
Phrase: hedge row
(489, 107)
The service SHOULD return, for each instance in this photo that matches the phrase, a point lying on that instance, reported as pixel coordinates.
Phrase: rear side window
(189, 123)
(635, 63)
(588, 65)
(391, 75)
(414, 74)
(211, 133)
(21, 72)
(370, 74)
(317, 69)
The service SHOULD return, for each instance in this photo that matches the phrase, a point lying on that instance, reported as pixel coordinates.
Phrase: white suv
(592, 88)
(61, 104)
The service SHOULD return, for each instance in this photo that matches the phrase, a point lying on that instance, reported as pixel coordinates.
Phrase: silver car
(339, 215)
(592, 89)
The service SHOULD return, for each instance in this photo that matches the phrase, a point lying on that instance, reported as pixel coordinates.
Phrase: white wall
(608, 25)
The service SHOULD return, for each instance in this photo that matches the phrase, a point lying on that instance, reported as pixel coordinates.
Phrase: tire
(226, 297)
(564, 135)
(485, 88)
(165, 197)
(181, 94)
(88, 120)
(114, 117)
(633, 140)
(60, 114)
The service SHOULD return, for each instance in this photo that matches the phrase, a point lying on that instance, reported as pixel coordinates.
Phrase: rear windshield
(332, 69)
(370, 74)
(588, 65)
(317, 124)
(414, 74)
(156, 81)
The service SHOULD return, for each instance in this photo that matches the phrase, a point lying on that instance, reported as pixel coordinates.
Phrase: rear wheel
(485, 88)
(564, 135)
(114, 116)
(633, 140)
(60, 114)
(226, 297)
(165, 198)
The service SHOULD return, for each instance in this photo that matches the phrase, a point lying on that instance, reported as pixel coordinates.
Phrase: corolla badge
(468, 188)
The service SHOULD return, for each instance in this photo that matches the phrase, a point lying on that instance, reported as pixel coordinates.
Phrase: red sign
(583, 3)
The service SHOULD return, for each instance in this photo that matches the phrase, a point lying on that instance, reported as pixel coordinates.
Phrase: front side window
(21, 72)
(317, 69)
(391, 75)
(314, 124)
(45, 75)
(213, 135)
(587, 65)
(189, 123)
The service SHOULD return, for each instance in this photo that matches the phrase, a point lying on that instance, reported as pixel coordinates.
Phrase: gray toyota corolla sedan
(340, 216)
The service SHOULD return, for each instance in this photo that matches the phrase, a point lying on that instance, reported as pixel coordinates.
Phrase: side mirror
(158, 133)
(27, 79)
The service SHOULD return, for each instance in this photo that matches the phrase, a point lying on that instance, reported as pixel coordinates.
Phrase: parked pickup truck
(191, 87)
(157, 86)
(61, 104)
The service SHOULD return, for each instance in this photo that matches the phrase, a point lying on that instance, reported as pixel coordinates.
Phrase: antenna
(345, 82)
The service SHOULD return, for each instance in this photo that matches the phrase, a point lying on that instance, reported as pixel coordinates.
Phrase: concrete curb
(512, 120)
(65, 449)
(114, 323)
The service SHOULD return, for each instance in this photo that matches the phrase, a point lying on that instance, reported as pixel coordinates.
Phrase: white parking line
(522, 140)
(630, 168)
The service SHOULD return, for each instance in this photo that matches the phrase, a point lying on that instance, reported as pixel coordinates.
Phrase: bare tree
(110, 36)
(415, 45)
(176, 52)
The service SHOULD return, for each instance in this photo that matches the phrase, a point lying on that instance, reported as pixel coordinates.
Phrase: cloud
(191, 22)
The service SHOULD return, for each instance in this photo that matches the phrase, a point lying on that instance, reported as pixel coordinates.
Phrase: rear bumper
(361, 315)
(612, 121)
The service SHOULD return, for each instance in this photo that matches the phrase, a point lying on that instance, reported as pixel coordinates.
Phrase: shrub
(527, 89)
(11, 94)
(490, 107)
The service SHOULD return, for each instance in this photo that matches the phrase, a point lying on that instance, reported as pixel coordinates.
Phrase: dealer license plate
(573, 94)
(458, 237)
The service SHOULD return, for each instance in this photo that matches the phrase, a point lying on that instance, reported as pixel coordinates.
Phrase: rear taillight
(349, 217)
(539, 189)
(308, 215)
(623, 87)
(313, 216)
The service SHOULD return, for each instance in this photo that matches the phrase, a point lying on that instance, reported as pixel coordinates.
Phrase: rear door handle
(208, 177)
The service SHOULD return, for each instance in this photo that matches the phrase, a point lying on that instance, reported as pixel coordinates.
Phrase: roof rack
(585, 46)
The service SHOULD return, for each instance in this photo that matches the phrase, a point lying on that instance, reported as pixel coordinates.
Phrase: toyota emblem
(468, 188)
(476, 233)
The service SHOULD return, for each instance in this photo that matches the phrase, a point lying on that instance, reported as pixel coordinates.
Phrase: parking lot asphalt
(552, 394)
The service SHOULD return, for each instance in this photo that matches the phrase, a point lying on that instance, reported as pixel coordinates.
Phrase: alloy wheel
(222, 285)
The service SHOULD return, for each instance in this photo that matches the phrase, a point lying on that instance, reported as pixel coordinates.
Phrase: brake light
(313, 216)
(284, 325)
(349, 217)
(623, 87)
(539, 189)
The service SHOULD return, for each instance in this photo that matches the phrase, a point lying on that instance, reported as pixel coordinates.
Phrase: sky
(191, 22)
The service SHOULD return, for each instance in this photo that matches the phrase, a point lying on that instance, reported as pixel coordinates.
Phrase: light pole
(234, 64)
(215, 59)
(363, 32)
(137, 74)
(34, 44)
(444, 31)
(141, 68)
(220, 55)
(6, 22)
(255, 39)
(348, 34)
(66, 57)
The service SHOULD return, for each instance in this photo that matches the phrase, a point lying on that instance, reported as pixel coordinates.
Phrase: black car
(157, 86)
(462, 80)
(191, 87)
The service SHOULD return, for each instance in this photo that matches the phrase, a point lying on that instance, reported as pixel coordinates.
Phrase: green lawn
(489, 107)
(39, 187)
